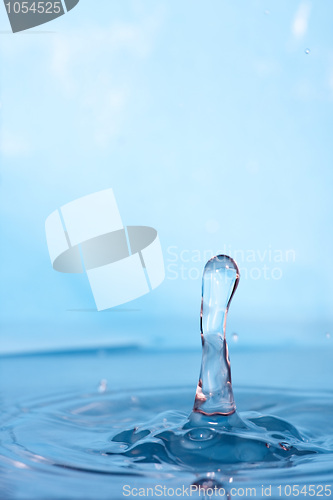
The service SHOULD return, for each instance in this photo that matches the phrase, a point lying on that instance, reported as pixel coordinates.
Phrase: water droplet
(214, 394)
(235, 337)
(307, 51)
(285, 446)
(103, 385)
(328, 335)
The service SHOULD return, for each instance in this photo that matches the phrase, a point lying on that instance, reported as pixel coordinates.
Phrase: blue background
(212, 124)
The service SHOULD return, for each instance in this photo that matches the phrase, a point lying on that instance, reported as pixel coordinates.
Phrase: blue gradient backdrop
(212, 124)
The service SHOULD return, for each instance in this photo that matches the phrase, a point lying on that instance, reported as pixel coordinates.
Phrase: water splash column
(214, 393)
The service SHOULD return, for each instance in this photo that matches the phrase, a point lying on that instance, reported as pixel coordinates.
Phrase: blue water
(58, 430)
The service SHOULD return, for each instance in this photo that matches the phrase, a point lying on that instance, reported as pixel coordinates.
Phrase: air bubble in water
(200, 434)
(307, 51)
(235, 337)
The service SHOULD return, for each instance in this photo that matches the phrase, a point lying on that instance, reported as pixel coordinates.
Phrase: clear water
(75, 445)
(91, 445)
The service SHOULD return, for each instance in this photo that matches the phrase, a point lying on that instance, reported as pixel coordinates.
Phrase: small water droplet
(285, 446)
(235, 337)
(307, 51)
(103, 385)
(328, 335)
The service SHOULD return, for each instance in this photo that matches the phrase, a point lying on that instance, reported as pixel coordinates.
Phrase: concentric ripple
(134, 434)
